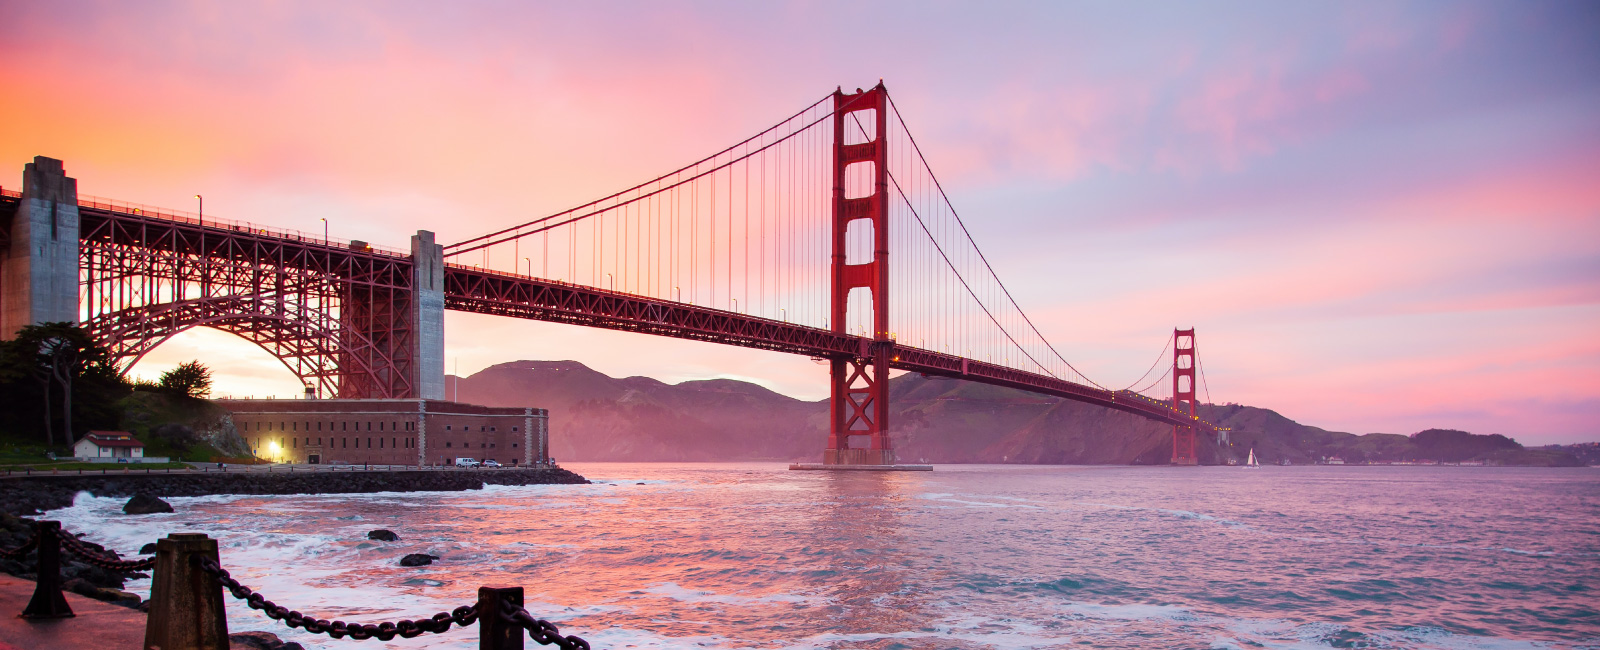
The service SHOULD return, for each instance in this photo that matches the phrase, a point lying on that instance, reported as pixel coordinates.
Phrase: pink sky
(1380, 217)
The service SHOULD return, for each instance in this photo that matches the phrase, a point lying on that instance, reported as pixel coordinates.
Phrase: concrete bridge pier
(39, 263)
(393, 334)
(427, 259)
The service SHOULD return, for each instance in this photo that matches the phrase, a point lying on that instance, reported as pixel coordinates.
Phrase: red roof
(112, 439)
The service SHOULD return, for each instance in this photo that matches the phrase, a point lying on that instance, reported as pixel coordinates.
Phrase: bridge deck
(482, 291)
(504, 294)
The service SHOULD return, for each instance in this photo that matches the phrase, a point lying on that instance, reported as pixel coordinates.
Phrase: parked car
(467, 462)
(491, 463)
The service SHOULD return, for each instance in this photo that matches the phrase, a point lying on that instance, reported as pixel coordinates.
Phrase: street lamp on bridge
(202, 212)
(324, 231)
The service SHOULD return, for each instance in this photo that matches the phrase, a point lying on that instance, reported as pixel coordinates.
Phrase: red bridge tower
(858, 431)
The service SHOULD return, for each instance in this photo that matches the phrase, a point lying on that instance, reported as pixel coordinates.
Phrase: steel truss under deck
(336, 316)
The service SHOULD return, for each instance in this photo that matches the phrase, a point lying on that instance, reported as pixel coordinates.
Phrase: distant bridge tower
(1183, 395)
(858, 429)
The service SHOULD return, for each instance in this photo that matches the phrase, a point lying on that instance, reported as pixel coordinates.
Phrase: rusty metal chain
(545, 632)
(438, 623)
(20, 551)
(89, 555)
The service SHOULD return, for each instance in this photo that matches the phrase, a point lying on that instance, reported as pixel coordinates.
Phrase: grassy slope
(142, 413)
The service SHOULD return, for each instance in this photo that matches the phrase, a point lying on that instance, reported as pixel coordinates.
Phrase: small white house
(108, 444)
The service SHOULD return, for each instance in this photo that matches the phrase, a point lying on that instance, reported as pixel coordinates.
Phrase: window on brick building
(513, 445)
(513, 429)
(447, 445)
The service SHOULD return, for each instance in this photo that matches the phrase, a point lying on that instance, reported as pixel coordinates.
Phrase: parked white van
(467, 462)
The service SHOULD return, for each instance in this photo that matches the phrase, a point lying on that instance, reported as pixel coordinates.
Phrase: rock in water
(418, 559)
(144, 504)
(260, 641)
(383, 535)
(148, 549)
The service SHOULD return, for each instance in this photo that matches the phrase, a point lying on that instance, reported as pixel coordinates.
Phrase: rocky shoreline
(32, 495)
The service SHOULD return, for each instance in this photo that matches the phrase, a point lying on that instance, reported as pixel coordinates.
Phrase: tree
(60, 355)
(190, 379)
(63, 354)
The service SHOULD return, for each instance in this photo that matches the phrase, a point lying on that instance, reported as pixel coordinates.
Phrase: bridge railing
(187, 610)
(183, 216)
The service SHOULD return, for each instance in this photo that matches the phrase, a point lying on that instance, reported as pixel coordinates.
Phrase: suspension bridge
(826, 235)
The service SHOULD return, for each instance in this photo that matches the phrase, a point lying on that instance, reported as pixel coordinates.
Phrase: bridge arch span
(310, 343)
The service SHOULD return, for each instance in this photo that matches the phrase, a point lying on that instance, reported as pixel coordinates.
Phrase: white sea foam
(951, 498)
(680, 594)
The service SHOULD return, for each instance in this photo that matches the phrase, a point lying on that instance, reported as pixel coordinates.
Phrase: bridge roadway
(503, 294)
(477, 290)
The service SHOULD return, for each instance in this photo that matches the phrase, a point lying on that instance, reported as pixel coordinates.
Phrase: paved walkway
(101, 626)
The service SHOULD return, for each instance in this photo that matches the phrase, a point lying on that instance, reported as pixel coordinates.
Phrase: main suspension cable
(1159, 356)
(640, 186)
(940, 189)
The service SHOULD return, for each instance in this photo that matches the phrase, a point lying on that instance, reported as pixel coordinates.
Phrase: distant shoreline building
(389, 431)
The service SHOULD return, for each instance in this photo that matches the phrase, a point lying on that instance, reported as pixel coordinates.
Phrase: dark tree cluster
(57, 382)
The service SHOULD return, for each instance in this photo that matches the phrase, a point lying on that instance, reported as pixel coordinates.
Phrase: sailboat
(1253, 463)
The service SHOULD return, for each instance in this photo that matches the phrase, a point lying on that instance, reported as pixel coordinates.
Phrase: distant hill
(597, 417)
(1587, 453)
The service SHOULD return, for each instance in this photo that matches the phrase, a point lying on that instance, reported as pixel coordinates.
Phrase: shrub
(190, 379)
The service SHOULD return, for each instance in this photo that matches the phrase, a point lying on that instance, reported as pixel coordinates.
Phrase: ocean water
(755, 556)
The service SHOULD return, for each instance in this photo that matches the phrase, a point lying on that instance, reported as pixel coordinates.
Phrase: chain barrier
(438, 623)
(540, 630)
(21, 551)
(89, 555)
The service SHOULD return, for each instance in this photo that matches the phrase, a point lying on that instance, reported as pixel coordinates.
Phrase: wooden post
(186, 606)
(494, 632)
(47, 600)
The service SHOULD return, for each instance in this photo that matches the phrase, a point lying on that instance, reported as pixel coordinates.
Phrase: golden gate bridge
(826, 235)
